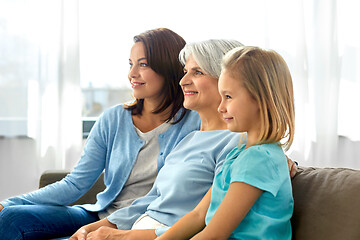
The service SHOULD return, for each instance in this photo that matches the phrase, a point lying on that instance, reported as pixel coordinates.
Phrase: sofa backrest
(326, 204)
(52, 176)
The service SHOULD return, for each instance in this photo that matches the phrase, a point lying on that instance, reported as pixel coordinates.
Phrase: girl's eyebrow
(224, 91)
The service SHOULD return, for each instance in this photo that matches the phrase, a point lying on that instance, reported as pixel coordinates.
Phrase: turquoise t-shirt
(264, 167)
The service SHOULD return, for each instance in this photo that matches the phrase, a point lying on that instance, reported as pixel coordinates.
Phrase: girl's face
(239, 109)
(146, 83)
(200, 90)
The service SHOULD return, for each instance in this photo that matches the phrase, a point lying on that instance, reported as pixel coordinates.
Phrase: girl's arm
(237, 202)
(191, 223)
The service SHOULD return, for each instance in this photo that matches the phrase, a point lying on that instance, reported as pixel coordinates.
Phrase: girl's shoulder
(269, 150)
(258, 153)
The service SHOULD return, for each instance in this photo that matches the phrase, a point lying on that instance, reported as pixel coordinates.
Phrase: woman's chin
(188, 106)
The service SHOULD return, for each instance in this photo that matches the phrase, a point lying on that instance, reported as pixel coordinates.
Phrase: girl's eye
(130, 64)
(227, 96)
(143, 64)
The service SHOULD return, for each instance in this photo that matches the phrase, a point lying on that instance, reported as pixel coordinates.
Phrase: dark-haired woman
(128, 142)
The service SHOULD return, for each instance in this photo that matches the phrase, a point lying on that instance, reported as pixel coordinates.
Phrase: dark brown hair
(162, 48)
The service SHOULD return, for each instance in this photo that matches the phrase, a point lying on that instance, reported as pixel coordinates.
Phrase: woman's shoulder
(188, 116)
(116, 111)
(224, 135)
(115, 116)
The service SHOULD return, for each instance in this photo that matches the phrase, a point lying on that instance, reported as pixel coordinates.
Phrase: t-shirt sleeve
(257, 166)
(160, 230)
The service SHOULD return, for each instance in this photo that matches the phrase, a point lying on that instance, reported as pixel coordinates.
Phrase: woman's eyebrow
(140, 59)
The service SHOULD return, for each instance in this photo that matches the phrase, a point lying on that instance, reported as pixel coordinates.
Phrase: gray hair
(208, 54)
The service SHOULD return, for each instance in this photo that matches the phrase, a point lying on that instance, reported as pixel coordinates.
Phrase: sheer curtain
(41, 92)
(55, 103)
(317, 38)
(325, 88)
(306, 34)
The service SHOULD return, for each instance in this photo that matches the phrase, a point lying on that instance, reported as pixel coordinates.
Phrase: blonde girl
(251, 197)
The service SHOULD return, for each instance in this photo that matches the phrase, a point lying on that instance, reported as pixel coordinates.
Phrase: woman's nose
(133, 72)
(185, 80)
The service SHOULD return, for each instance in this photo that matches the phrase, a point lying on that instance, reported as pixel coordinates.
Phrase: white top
(143, 173)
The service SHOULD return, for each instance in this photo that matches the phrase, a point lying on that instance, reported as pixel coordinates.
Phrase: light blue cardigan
(113, 146)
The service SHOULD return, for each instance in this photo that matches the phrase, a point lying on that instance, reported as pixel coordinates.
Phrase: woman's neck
(211, 120)
(148, 120)
(150, 106)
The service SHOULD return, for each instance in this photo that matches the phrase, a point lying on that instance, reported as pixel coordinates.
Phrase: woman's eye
(197, 72)
(143, 64)
(227, 96)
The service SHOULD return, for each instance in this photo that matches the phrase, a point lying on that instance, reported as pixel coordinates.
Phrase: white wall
(21, 168)
(18, 166)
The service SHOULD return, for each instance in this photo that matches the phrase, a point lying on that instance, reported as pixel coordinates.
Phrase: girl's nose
(221, 108)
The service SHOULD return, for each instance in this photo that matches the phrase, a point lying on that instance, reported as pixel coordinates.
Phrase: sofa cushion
(327, 204)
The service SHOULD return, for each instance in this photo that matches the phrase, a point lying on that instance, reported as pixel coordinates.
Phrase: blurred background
(63, 62)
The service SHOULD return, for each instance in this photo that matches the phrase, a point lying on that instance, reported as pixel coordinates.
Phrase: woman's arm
(292, 167)
(237, 202)
(191, 223)
(82, 233)
(110, 233)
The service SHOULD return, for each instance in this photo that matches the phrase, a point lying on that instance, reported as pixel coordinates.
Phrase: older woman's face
(200, 90)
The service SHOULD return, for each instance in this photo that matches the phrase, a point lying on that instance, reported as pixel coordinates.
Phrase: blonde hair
(267, 78)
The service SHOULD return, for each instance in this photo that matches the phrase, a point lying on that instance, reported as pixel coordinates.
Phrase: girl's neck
(251, 138)
(211, 120)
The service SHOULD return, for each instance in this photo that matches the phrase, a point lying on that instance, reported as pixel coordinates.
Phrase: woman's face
(200, 90)
(146, 83)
